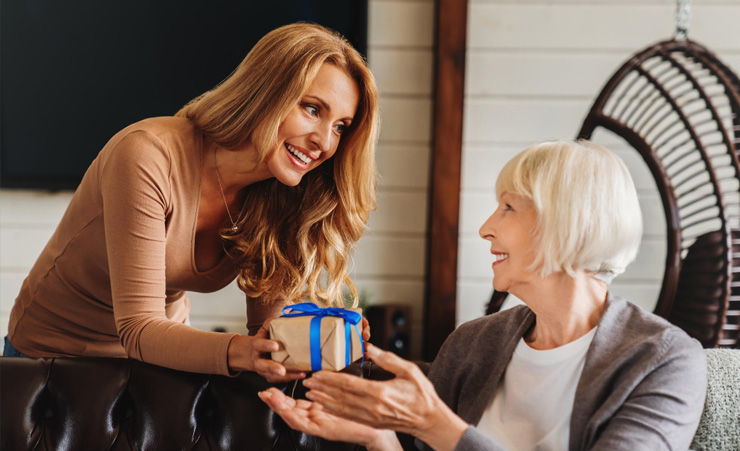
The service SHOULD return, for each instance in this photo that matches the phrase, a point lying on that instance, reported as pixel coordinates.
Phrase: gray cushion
(719, 428)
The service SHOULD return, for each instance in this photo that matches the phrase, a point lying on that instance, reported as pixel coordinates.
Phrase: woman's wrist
(443, 429)
(383, 440)
(237, 353)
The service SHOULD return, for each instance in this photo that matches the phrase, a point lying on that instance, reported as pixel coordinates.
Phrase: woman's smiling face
(310, 133)
(511, 231)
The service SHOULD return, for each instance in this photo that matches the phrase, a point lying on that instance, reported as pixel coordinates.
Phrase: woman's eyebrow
(326, 105)
(321, 101)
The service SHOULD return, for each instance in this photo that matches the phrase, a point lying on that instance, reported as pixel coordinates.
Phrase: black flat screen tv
(73, 73)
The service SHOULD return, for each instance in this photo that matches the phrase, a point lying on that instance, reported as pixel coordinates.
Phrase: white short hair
(588, 215)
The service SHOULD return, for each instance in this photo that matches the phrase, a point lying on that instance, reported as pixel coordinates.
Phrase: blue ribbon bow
(351, 319)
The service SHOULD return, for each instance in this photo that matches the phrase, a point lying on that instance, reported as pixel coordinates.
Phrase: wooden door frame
(440, 287)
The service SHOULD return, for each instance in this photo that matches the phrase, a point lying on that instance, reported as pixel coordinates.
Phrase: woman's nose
(322, 137)
(487, 230)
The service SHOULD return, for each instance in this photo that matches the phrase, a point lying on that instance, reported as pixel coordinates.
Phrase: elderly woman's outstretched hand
(312, 419)
(407, 403)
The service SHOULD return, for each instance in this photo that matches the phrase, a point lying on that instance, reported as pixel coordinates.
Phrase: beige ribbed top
(112, 280)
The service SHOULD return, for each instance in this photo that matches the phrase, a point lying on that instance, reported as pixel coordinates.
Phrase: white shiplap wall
(389, 259)
(534, 67)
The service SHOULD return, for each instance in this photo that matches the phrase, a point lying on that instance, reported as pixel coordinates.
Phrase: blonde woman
(268, 178)
(576, 368)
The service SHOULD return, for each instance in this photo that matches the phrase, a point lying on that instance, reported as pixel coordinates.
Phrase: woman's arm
(135, 186)
(136, 189)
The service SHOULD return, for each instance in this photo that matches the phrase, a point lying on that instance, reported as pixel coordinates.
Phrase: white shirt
(532, 404)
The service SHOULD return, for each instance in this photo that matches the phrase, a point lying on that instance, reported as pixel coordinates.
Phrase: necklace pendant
(235, 228)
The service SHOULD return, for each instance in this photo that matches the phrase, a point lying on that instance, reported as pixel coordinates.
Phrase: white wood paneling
(10, 286)
(607, 26)
(402, 71)
(401, 24)
(389, 256)
(402, 212)
(32, 209)
(406, 120)
(539, 73)
(21, 246)
(404, 167)
(522, 120)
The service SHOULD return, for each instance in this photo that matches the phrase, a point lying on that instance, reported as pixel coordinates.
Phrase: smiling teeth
(499, 257)
(298, 154)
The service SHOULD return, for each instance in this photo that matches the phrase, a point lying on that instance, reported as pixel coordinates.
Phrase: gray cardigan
(642, 387)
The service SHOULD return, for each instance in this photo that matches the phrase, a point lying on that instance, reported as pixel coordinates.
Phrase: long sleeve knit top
(112, 280)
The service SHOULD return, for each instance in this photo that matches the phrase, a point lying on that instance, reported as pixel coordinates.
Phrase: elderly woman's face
(511, 229)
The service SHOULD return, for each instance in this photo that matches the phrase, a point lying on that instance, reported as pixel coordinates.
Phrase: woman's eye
(312, 109)
(340, 128)
(508, 207)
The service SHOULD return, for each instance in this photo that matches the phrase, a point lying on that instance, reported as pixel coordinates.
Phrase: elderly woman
(575, 368)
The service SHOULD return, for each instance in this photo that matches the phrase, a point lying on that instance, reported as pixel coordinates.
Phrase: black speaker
(390, 328)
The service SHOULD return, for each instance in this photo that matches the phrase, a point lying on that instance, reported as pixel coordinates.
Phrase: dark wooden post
(441, 275)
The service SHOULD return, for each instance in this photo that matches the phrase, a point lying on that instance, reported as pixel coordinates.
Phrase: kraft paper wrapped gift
(329, 338)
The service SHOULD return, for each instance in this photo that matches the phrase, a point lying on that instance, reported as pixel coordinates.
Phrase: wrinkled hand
(252, 354)
(409, 403)
(312, 419)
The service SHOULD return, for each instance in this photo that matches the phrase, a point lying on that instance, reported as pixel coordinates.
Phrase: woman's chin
(500, 286)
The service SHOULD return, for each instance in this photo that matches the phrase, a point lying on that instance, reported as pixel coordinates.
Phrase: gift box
(316, 338)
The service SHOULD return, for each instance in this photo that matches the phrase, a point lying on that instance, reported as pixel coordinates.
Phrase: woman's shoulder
(504, 322)
(163, 127)
(157, 139)
(630, 328)
(639, 322)
(498, 328)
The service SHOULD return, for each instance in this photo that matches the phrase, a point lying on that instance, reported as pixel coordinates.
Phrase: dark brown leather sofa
(120, 404)
(117, 404)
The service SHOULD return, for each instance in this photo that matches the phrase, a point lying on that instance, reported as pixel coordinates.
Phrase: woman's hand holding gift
(252, 354)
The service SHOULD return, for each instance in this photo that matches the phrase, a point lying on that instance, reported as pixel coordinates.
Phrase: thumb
(264, 331)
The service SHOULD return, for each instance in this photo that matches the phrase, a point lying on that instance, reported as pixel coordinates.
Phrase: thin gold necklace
(234, 227)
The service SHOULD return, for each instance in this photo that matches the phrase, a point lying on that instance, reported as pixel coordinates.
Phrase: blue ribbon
(351, 319)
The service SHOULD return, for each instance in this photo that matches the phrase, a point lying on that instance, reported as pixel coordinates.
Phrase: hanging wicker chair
(678, 106)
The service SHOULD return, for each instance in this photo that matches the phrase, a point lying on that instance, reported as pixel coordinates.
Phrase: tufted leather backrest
(121, 404)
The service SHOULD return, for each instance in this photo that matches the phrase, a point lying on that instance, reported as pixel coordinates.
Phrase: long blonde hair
(295, 242)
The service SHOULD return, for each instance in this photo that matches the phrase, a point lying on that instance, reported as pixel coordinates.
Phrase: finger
(303, 404)
(389, 361)
(356, 407)
(267, 366)
(290, 376)
(345, 407)
(323, 399)
(299, 421)
(365, 329)
(264, 330)
(277, 399)
(272, 400)
(264, 345)
(336, 383)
